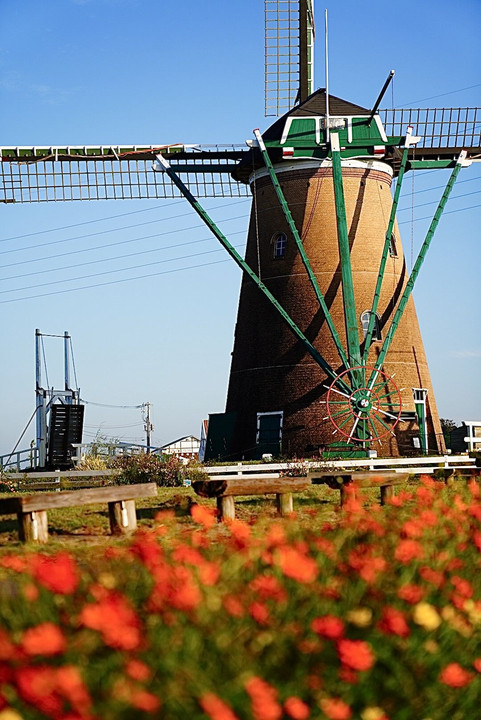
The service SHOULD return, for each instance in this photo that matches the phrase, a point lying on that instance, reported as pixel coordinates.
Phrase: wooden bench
(226, 488)
(31, 510)
(385, 481)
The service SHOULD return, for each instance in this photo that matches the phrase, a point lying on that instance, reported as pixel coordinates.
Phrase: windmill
(327, 342)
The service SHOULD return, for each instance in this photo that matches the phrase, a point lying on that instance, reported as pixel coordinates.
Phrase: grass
(88, 526)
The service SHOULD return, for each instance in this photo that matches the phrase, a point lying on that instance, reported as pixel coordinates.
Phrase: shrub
(166, 471)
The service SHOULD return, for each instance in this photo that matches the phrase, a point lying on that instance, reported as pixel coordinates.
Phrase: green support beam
(350, 318)
(387, 242)
(462, 162)
(164, 165)
(300, 247)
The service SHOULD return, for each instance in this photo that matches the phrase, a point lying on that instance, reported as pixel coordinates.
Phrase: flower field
(375, 615)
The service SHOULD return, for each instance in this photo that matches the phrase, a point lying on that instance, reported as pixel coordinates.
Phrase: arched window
(376, 333)
(279, 245)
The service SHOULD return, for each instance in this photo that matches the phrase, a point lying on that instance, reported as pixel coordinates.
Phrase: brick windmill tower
(327, 348)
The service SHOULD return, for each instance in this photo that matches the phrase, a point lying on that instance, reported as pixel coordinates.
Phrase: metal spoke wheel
(370, 410)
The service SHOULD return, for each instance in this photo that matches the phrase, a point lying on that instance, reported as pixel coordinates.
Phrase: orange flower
(464, 587)
(408, 550)
(328, 626)
(233, 606)
(411, 593)
(297, 565)
(48, 688)
(269, 588)
(203, 515)
(138, 670)
(434, 577)
(393, 622)
(216, 708)
(7, 648)
(37, 686)
(115, 619)
(335, 709)
(14, 562)
(455, 676)
(477, 664)
(264, 699)
(259, 612)
(144, 700)
(241, 532)
(44, 639)
(209, 573)
(296, 708)
(355, 654)
(58, 573)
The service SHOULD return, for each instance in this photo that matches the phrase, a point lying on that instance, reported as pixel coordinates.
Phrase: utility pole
(148, 427)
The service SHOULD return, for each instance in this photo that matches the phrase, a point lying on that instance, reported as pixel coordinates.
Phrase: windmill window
(279, 243)
(376, 333)
(392, 246)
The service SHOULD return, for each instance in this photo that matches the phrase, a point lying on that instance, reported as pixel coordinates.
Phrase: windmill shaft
(417, 266)
(382, 266)
(305, 259)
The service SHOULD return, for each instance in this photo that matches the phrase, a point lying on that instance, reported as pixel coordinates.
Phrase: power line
(114, 217)
(111, 272)
(446, 212)
(110, 259)
(105, 232)
(115, 282)
(176, 270)
(432, 97)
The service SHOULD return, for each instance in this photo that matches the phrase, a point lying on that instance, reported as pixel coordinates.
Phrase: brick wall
(271, 369)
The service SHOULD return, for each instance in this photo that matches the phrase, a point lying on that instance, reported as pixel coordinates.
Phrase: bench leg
(122, 516)
(284, 504)
(347, 493)
(387, 492)
(33, 526)
(226, 507)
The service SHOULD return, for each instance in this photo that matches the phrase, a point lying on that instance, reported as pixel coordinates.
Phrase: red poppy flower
(58, 573)
(296, 708)
(216, 708)
(393, 622)
(455, 676)
(328, 626)
(356, 654)
(264, 699)
(44, 639)
(335, 709)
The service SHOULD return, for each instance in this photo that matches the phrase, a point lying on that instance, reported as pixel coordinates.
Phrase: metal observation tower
(327, 345)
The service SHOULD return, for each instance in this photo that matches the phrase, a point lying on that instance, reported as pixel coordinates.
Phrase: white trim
(307, 163)
(331, 121)
(263, 414)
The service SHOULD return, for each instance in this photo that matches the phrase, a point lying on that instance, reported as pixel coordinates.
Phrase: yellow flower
(108, 581)
(431, 647)
(372, 713)
(456, 621)
(426, 615)
(9, 714)
(360, 616)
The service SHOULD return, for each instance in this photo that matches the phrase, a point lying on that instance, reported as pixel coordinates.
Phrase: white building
(185, 447)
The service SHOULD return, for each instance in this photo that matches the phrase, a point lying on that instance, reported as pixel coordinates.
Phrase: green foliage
(373, 615)
(166, 470)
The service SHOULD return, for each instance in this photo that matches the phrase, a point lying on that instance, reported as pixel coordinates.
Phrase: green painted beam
(315, 354)
(350, 318)
(300, 247)
(387, 241)
(461, 162)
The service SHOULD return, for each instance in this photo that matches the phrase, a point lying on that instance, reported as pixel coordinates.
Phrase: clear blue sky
(143, 71)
